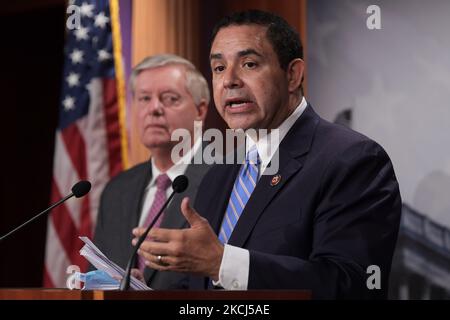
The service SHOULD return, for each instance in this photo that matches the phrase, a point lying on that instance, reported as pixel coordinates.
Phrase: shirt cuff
(234, 269)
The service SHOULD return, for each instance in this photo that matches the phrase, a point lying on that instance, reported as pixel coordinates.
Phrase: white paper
(101, 262)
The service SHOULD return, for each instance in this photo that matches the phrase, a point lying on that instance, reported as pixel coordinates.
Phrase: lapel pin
(275, 180)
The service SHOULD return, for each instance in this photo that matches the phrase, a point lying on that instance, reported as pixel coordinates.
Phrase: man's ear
(295, 74)
(202, 110)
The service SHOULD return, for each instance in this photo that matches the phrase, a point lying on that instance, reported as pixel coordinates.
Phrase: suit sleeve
(355, 224)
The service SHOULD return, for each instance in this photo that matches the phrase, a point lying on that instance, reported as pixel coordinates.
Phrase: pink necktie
(162, 183)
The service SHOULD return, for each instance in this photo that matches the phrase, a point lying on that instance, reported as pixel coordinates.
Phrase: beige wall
(161, 26)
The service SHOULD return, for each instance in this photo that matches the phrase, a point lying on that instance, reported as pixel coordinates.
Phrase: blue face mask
(97, 280)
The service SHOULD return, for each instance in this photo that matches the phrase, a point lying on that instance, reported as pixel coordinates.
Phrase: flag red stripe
(46, 280)
(86, 219)
(76, 149)
(111, 111)
(66, 230)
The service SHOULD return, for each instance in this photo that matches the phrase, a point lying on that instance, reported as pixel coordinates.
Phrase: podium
(66, 294)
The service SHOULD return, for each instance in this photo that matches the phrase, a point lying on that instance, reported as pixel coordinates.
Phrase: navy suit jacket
(335, 211)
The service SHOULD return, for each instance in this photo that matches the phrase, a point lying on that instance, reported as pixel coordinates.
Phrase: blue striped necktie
(242, 189)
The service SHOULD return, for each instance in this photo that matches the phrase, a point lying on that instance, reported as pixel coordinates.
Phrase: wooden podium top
(65, 294)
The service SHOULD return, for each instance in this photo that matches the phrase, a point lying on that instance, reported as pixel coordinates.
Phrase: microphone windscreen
(180, 184)
(80, 188)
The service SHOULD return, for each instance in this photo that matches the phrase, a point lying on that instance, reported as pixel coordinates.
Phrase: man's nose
(156, 108)
(232, 79)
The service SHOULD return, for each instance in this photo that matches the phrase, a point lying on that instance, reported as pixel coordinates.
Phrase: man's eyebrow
(248, 52)
(240, 54)
(171, 91)
(215, 56)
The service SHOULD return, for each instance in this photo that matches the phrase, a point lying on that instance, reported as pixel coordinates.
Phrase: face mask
(97, 280)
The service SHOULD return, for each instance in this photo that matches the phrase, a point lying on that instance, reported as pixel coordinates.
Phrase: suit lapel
(132, 202)
(296, 144)
(174, 219)
(261, 197)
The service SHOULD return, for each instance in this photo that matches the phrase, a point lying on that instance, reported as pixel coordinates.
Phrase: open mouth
(238, 103)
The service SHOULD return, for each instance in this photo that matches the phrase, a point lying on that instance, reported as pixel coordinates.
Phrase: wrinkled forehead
(162, 78)
(237, 38)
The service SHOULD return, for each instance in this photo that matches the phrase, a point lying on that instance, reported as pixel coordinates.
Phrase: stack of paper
(101, 262)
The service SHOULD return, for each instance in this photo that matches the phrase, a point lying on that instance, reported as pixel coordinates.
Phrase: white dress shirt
(235, 266)
(174, 171)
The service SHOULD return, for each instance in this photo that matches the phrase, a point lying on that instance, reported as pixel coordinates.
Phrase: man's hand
(138, 274)
(195, 250)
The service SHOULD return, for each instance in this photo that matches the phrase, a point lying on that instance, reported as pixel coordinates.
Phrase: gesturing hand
(195, 250)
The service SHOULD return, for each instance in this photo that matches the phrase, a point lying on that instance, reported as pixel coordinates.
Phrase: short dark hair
(284, 39)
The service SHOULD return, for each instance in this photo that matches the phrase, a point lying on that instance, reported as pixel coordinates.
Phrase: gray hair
(195, 82)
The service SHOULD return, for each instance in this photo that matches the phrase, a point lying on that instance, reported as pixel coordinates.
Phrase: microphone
(179, 184)
(79, 189)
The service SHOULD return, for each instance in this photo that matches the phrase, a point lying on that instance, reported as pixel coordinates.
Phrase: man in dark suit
(328, 213)
(169, 94)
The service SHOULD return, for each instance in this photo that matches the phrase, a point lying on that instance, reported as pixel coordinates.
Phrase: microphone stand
(37, 216)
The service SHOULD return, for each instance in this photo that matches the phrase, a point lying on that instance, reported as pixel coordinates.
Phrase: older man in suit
(330, 212)
(169, 94)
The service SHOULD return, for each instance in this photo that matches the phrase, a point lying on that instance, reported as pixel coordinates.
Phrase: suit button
(235, 284)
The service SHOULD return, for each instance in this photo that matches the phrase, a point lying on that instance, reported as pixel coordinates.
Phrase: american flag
(88, 138)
